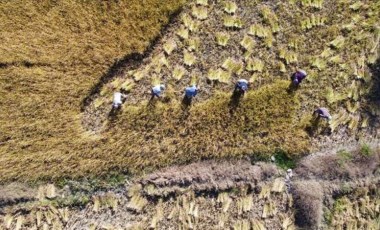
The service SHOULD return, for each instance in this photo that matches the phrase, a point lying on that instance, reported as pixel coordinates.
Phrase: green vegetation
(366, 150)
(344, 156)
(284, 161)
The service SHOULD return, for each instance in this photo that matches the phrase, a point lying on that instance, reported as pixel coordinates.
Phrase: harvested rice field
(218, 161)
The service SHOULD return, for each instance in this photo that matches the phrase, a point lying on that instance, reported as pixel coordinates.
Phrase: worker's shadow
(318, 127)
(152, 102)
(155, 99)
(185, 106)
(113, 114)
(292, 88)
(312, 128)
(235, 100)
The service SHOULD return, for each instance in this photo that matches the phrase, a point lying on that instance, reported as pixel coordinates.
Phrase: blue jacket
(191, 92)
(242, 84)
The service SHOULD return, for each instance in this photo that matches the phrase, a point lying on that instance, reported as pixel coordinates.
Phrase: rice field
(62, 127)
(213, 44)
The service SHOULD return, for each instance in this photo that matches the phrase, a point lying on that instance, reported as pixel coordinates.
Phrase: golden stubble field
(52, 53)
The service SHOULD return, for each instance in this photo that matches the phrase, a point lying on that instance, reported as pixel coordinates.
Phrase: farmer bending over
(118, 99)
(323, 113)
(191, 92)
(298, 77)
(241, 86)
(157, 90)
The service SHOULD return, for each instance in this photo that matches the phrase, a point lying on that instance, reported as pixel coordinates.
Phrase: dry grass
(187, 211)
(308, 198)
(344, 165)
(53, 53)
(210, 195)
(146, 136)
(207, 177)
(357, 210)
(206, 202)
(15, 192)
(348, 184)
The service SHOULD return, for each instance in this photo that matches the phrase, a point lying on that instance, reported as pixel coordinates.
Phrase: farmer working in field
(298, 77)
(241, 86)
(323, 113)
(157, 90)
(191, 92)
(118, 99)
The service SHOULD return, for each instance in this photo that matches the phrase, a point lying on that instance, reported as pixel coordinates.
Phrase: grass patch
(281, 158)
(365, 150)
(344, 156)
(284, 161)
